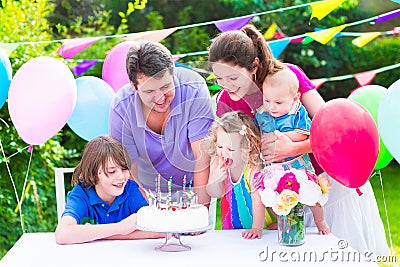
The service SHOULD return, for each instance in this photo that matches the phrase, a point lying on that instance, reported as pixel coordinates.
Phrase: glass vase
(291, 230)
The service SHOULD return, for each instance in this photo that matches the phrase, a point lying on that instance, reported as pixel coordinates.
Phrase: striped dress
(236, 209)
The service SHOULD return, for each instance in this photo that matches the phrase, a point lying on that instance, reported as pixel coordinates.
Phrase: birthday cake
(163, 215)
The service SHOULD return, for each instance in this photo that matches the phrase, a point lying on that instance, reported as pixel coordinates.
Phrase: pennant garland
(9, 47)
(233, 24)
(155, 36)
(365, 38)
(269, 33)
(318, 82)
(74, 46)
(84, 66)
(365, 78)
(387, 16)
(324, 36)
(278, 46)
(323, 8)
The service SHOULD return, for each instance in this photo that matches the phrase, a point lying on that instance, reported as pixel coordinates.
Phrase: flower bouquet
(286, 191)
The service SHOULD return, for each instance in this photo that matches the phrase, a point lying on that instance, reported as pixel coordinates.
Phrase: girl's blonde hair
(232, 122)
(96, 154)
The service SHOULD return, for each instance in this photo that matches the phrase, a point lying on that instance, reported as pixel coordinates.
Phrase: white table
(214, 248)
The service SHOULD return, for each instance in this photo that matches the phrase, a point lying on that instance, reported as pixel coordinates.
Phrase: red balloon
(345, 141)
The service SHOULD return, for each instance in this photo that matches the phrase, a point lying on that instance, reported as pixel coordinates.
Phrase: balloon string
(13, 184)
(19, 151)
(25, 181)
(386, 213)
(3, 121)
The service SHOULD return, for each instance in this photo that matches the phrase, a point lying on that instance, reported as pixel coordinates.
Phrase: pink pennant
(365, 78)
(155, 36)
(84, 66)
(177, 57)
(318, 82)
(279, 35)
(72, 47)
(396, 31)
(297, 40)
(232, 24)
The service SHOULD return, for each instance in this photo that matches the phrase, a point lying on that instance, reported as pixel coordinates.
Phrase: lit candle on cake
(169, 198)
(190, 192)
(184, 196)
(157, 185)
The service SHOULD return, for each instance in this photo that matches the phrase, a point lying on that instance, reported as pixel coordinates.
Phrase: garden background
(31, 29)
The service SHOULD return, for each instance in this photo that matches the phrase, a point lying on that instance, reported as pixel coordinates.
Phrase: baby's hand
(323, 228)
(252, 233)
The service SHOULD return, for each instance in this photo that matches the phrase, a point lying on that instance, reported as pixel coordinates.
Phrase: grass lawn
(391, 189)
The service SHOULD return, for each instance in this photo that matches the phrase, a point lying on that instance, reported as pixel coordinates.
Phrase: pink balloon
(41, 98)
(114, 67)
(345, 141)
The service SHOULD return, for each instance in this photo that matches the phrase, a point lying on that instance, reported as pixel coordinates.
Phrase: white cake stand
(173, 241)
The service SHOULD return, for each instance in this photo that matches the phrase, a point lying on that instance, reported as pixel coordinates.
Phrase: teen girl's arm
(258, 214)
(280, 146)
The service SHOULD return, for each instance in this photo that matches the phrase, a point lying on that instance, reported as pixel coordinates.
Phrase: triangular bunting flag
(72, 47)
(323, 8)
(365, 78)
(298, 40)
(214, 87)
(155, 36)
(307, 40)
(278, 46)
(365, 38)
(8, 47)
(388, 16)
(318, 82)
(270, 31)
(210, 77)
(232, 24)
(84, 66)
(177, 57)
(325, 35)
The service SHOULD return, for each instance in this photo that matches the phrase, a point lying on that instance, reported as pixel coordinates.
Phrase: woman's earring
(254, 77)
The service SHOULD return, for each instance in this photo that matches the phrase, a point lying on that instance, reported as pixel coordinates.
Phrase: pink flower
(258, 181)
(288, 181)
(311, 176)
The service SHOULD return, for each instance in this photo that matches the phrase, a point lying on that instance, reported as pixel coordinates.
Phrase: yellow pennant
(325, 35)
(270, 31)
(365, 38)
(323, 8)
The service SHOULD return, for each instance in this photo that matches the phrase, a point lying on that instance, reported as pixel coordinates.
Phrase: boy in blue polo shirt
(104, 200)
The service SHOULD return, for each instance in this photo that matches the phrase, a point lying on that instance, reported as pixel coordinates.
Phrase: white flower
(323, 199)
(268, 196)
(272, 175)
(300, 175)
(310, 193)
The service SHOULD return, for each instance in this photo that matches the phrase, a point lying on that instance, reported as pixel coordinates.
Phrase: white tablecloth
(214, 248)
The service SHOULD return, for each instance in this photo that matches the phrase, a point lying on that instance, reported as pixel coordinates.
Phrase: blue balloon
(5, 76)
(389, 119)
(90, 116)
